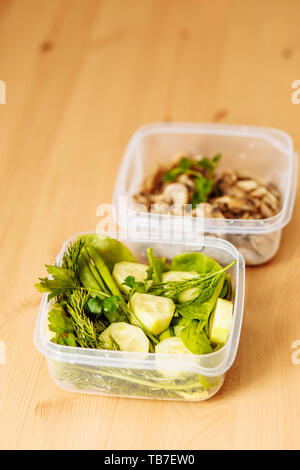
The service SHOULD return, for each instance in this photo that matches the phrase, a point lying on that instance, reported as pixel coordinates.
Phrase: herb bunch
(200, 171)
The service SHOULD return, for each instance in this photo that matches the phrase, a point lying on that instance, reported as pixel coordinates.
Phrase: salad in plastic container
(142, 318)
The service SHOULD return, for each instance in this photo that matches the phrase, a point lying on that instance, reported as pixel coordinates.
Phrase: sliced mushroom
(209, 210)
(260, 192)
(247, 185)
(266, 211)
(177, 193)
(187, 181)
(237, 194)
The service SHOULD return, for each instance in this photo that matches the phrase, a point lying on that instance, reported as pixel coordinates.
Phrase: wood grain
(81, 76)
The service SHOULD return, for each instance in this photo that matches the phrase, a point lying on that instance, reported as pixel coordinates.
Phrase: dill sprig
(204, 282)
(83, 326)
(86, 332)
(70, 258)
(65, 278)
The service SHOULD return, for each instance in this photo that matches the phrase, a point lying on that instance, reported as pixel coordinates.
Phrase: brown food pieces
(236, 194)
(245, 196)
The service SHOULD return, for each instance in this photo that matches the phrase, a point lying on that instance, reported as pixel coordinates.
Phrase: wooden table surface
(81, 76)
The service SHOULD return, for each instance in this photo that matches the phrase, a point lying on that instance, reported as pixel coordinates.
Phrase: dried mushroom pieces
(193, 180)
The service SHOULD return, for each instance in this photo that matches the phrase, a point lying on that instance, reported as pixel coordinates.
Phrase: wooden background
(81, 76)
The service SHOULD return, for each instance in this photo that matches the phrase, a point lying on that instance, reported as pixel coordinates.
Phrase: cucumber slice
(128, 337)
(220, 322)
(124, 269)
(154, 312)
(172, 345)
(188, 294)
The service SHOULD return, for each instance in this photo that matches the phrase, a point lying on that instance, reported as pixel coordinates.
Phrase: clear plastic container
(265, 152)
(164, 376)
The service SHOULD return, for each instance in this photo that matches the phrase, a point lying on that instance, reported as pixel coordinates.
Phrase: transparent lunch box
(265, 152)
(163, 376)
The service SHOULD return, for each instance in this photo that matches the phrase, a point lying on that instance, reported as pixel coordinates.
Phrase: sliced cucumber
(171, 276)
(188, 294)
(172, 345)
(124, 269)
(220, 322)
(154, 312)
(166, 367)
(128, 337)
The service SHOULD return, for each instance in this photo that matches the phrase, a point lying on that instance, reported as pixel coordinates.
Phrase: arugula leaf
(195, 339)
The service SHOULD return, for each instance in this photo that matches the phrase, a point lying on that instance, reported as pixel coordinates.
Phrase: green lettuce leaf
(111, 250)
(194, 262)
(196, 341)
(199, 310)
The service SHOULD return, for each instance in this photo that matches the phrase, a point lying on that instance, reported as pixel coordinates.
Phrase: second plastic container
(267, 152)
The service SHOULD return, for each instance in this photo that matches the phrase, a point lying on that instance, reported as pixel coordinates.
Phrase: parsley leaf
(111, 304)
(94, 305)
(203, 188)
(184, 164)
(63, 280)
(60, 324)
(129, 281)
